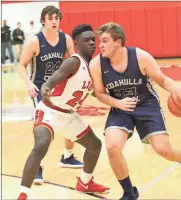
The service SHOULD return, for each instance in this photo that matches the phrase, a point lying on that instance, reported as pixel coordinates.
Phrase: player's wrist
(116, 103)
(28, 82)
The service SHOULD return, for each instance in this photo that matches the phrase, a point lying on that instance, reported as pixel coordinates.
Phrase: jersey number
(77, 98)
(50, 69)
(129, 92)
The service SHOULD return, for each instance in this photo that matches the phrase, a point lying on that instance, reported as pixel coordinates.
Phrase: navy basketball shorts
(147, 118)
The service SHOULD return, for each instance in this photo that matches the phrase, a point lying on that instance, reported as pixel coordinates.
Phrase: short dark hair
(116, 31)
(80, 29)
(50, 10)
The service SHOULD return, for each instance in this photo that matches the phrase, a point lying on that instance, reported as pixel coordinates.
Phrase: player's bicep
(70, 46)
(153, 70)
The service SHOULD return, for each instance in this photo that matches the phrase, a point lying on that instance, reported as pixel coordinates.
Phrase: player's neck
(118, 56)
(86, 58)
(50, 35)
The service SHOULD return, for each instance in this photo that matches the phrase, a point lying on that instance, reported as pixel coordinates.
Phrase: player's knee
(113, 149)
(41, 149)
(165, 152)
(96, 146)
(91, 142)
(42, 141)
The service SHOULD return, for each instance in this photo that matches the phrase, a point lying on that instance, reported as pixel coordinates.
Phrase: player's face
(87, 43)
(52, 22)
(107, 45)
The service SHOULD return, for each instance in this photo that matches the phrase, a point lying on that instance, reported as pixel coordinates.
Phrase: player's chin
(104, 54)
(91, 52)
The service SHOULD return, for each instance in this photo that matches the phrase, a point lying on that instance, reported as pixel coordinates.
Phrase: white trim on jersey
(151, 89)
(163, 116)
(80, 58)
(33, 68)
(35, 101)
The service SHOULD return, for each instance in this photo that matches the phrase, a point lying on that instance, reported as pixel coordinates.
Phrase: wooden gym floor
(155, 177)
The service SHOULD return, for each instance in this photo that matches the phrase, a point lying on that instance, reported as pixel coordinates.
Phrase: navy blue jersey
(130, 83)
(48, 60)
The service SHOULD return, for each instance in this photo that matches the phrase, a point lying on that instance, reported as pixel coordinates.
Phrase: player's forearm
(169, 84)
(23, 73)
(107, 99)
(48, 84)
(54, 80)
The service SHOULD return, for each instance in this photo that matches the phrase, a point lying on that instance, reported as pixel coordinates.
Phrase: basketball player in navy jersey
(49, 115)
(124, 72)
(46, 51)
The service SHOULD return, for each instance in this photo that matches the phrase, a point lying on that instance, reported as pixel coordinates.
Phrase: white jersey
(74, 90)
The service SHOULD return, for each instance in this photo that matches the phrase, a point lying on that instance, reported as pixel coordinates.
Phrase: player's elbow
(99, 95)
(161, 82)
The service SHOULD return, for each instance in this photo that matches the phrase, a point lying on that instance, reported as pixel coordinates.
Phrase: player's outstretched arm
(67, 68)
(153, 71)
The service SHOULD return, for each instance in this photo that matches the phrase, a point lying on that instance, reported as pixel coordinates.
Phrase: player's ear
(119, 41)
(75, 43)
(43, 22)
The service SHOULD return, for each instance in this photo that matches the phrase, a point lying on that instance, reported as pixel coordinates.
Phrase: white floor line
(159, 177)
(11, 118)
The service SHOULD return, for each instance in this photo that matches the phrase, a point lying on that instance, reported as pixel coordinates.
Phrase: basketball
(174, 105)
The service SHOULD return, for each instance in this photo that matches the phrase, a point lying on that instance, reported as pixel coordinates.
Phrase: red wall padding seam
(157, 30)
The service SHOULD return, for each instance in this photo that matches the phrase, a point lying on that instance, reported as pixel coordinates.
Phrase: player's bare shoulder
(74, 60)
(143, 58)
(32, 44)
(69, 40)
(142, 54)
(33, 40)
(67, 37)
(95, 63)
(70, 45)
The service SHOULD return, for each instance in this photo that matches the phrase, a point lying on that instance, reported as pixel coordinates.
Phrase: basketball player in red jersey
(60, 111)
(45, 51)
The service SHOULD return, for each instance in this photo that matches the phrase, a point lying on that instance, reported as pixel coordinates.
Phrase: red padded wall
(138, 27)
(169, 31)
(106, 16)
(179, 29)
(153, 26)
(154, 32)
(92, 18)
(99, 5)
(64, 23)
(76, 19)
(123, 17)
